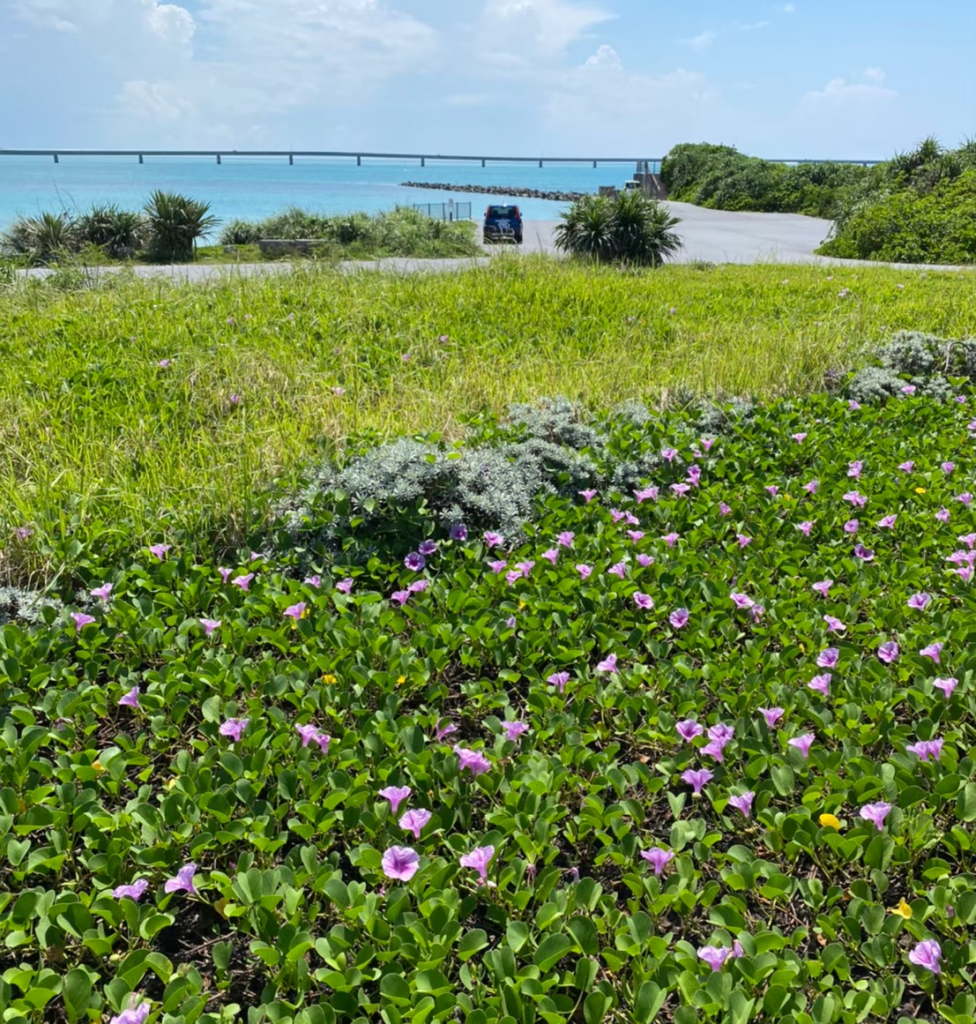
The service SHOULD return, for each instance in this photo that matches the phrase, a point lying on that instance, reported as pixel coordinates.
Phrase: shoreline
(500, 190)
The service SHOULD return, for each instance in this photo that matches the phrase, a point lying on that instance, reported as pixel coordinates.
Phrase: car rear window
(501, 211)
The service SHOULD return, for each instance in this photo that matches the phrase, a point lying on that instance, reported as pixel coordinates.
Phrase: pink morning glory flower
(669, 454)
(820, 683)
(647, 494)
(102, 592)
(887, 523)
(513, 577)
(863, 553)
(296, 611)
(966, 498)
(414, 561)
(888, 651)
(620, 569)
(209, 625)
(559, 680)
(721, 733)
(969, 540)
(643, 601)
(688, 729)
(907, 467)
(943, 515)
(459, 532)
(854, 469)
(927, 954)
(855, 499)
(679, 618)
(933, 651)
(137, 1013)
(812, 487)
(680, 489)
(588, 495)
(493, 540)
(919, 601)
(396, 795)
(565, 539)
(743, 803)
(479, 859)
(400, 597)
(876, 813)
(714, 749)
(82, 620)
(805, 528)
(584, 571)
(925, 749)
(948, 467)
(414, 821)
(135, 891)
(908, 390)
(183, 881)
(645, 560)
(823, 587)
(743, 540)
(965, 573)
(946, 685)
(834, 625)
(160, 550)
(609, 664)
(427, 548)
(772, 715)
(131, 699)
(513, 730)
(724, 509)
(694, 475)
(658, 857)
(828, 658)
(851, 526)
(224, 574)
(616, 515)
(472, 761)
(440, 731)
(400, 863)
(419, 586)
(714, 956)
(803, 744)
(697, 779)
(635, 535)
(345, 585)
(773, 490)
(234, 728)
(313, 581)
(243, 581)
(852, 405)
(498, 566)
(741, 601)
(799, 438)
(552, 555)
(671, 539)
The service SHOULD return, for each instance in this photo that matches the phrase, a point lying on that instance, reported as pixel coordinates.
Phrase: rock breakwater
(500, 190)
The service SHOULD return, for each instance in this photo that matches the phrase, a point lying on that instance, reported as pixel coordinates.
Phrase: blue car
(503, 224)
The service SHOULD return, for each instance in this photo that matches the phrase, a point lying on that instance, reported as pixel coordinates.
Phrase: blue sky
(831, 78)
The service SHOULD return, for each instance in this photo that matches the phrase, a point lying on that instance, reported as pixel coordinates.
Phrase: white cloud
(530, 30)
(839, 92)
(605, 57)
(702, 41)
(169, 22)
(752, 26)
(874, 75)
(788, 8)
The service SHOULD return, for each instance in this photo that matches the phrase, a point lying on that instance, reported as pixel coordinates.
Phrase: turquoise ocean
(256, 187)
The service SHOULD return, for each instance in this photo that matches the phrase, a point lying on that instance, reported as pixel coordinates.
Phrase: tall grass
(102, 446)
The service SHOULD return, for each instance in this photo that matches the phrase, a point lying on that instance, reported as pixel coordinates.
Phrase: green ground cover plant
(627, 229)
(694, 748)
(135, 404)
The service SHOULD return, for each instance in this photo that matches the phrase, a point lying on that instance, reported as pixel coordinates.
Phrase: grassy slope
(99, 440)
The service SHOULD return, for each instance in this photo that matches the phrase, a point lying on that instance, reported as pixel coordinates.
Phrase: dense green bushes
(919, 207)
(721, 178)
(399, 232)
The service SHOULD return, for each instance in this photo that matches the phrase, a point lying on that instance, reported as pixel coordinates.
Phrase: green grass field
(99, 441)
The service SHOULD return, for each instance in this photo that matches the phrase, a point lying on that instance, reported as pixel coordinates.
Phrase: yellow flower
(919, 490)
(98, 766)
(401, 680)
(328, 678)
(829, 821)
(169, 783)
(522, 605)
(902, 910)
(786, 497)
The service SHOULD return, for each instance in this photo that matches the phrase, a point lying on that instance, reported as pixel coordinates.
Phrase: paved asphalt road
(715, 236)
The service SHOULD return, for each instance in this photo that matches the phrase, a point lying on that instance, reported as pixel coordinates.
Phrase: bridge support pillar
(218, 159)
(594, 165)
(56, 160)
(540, 163)
(291, 159)
(141, 159)
(482, 161)
(359, 161)
(423, 161)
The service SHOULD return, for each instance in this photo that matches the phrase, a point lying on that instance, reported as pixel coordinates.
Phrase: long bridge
(360, 156)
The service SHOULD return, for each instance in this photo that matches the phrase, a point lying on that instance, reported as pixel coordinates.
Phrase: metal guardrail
(445, 211)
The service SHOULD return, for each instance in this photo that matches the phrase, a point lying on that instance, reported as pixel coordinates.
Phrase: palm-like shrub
(629, 228)
(175, 223)
(119, 232)
(42, 239)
